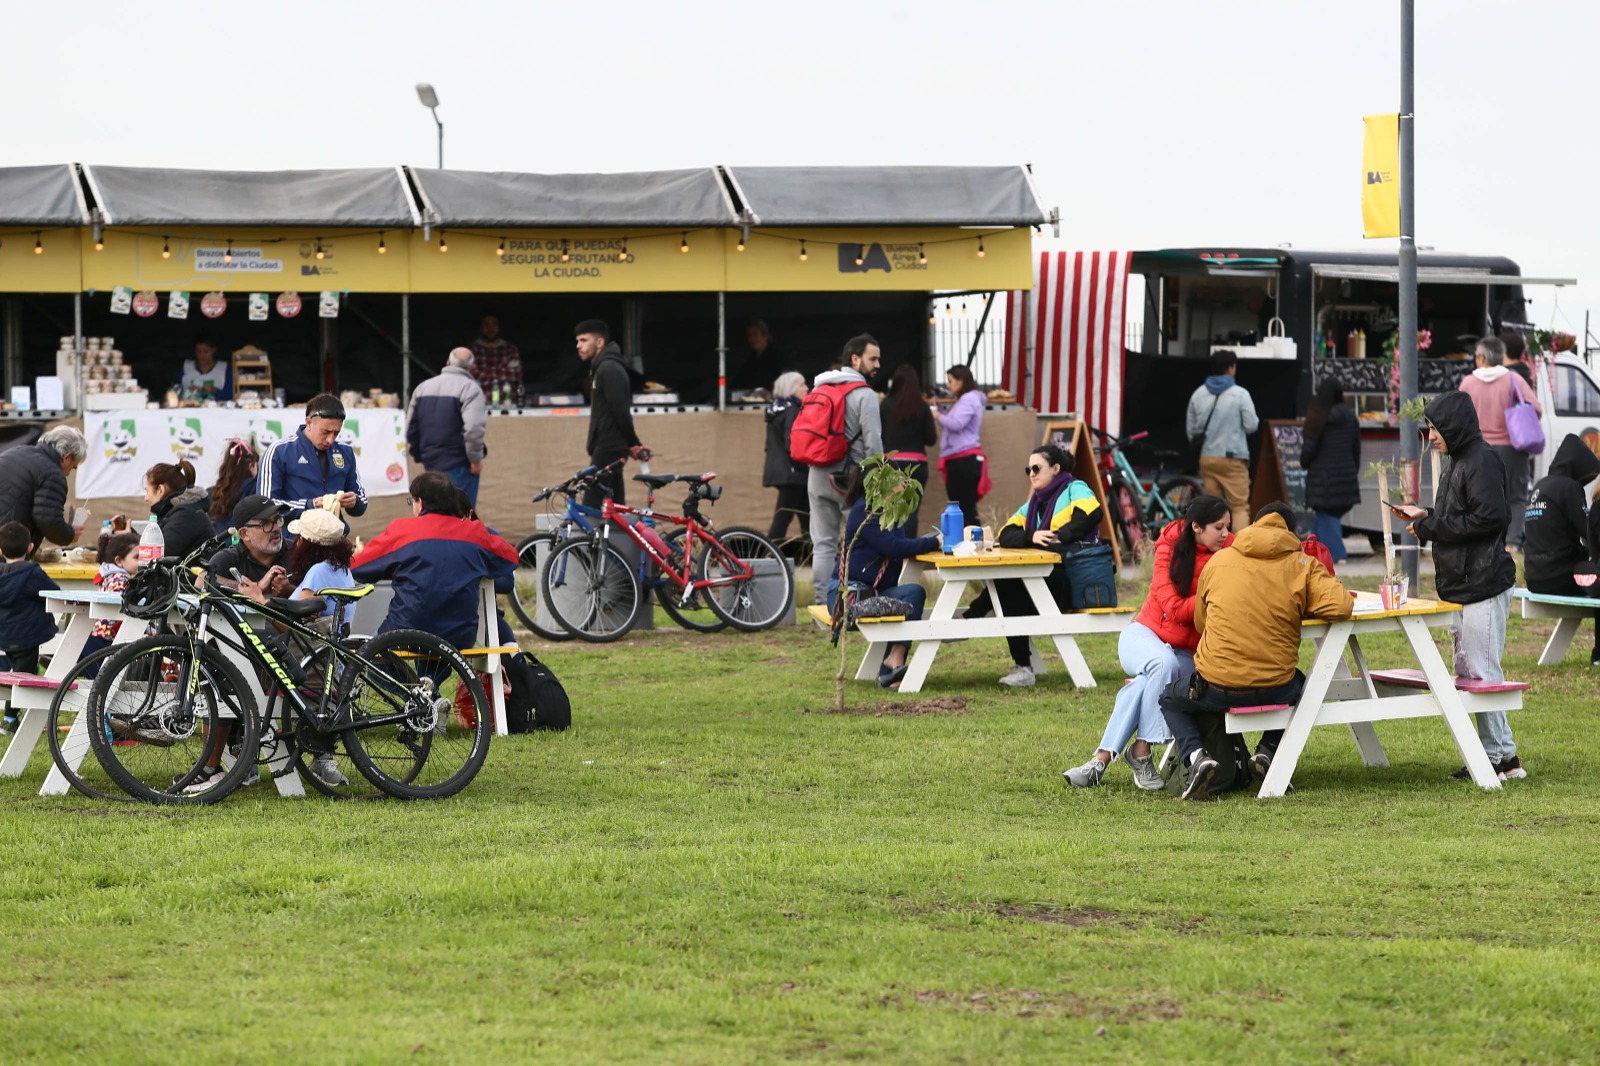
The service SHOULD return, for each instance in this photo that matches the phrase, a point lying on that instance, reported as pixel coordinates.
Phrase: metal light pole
(1406, 350)
(430, 100)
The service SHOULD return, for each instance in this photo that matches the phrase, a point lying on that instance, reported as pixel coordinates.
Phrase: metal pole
(1410, 445)
(77, 344)
(722, 351)
(405, 350)
(436, 122)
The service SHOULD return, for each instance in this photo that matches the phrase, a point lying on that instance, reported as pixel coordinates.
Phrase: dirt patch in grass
(938, 705)
(1077, 917)
(1025, 1002)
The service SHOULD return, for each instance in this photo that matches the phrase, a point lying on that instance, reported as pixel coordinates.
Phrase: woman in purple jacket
(961, 460)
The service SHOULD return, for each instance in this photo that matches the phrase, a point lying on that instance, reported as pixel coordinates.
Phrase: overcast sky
(1154, 123)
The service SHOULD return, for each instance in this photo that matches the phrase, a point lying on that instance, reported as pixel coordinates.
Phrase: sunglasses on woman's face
(1031, 469)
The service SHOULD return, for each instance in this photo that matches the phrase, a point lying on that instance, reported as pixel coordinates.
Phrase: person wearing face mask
(1060, 515)
(1158, 645)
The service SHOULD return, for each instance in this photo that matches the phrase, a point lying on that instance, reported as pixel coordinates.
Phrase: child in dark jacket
(875, 558)
(24, 623)
(1561, 525)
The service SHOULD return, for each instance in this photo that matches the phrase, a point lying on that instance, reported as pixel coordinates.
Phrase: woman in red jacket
(1159, 643)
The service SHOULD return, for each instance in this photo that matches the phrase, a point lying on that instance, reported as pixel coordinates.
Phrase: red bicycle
(739, 574)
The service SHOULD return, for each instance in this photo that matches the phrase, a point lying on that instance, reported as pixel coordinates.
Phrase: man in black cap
(260, 553)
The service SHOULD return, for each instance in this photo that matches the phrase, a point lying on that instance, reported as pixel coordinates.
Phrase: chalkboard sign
(1441, 375)
(1372, 375)
(1279, 475)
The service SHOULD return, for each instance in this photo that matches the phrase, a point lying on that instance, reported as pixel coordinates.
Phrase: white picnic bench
(1570, 612)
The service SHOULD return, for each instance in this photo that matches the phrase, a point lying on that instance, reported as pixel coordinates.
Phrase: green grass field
(708, 869)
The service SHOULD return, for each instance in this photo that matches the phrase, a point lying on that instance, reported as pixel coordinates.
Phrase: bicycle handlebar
(582, 477)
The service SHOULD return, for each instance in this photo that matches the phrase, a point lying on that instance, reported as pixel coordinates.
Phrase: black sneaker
(1594, 657)
(1462, 774)
(1510, 770)
(1260, 763)
(1197, 786)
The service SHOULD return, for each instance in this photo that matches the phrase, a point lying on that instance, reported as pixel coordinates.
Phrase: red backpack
(817, 438)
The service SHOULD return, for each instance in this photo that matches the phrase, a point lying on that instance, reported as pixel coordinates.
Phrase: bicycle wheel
(695, 613)
(1177, 492)
(591, 591)
(419, 720)
(1130, 526)
(159, 708)
(67, 728)
(337, 776)
(525, 593)
(758, 602)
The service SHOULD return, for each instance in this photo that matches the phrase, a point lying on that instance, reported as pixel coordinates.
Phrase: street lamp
(430, 100)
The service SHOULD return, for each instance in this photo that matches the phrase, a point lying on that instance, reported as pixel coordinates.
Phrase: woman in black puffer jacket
(1331, 456)
(179, 507)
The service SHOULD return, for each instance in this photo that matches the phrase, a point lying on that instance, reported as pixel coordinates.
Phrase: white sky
(1153, 123)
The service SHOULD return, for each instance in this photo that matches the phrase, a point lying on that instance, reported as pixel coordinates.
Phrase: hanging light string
(497, 241)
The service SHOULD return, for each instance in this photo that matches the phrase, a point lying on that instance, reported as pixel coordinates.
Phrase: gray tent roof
(671, 198)
(888, 196)
(143, 196)
(40, 196)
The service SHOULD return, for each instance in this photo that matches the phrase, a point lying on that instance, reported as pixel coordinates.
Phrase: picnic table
(1570, 612)
(72, 577)
(955, 574)
(1334, 695)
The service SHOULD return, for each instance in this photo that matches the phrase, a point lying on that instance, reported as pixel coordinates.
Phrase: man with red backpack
(838, 426)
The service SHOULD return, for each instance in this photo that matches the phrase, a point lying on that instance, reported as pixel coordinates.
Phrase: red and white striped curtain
(1074, 319)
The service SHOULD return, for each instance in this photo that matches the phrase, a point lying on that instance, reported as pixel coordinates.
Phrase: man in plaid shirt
(494, 358)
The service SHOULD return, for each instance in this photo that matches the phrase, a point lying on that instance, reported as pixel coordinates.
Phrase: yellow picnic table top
(992, 557)
(1410, 607)
(70, 571)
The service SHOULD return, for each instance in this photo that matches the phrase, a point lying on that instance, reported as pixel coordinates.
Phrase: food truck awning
(665, 198)
(41, 196)
(146, 196)
(887, 196)
(1434, 276)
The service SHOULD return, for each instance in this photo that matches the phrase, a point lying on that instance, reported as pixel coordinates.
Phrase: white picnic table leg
(1555, 649)
(1045, 604)
(872, 660)
(1363, 733)
(923, 653)
(1442, 683)
(1330, 657)
(31, 726)
(75, 745)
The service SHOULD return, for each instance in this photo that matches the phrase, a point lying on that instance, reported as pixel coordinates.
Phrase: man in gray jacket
(1223, 413)
(863, 428)
(445, 424)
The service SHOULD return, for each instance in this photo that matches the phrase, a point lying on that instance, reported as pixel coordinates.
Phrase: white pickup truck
(1570, 396)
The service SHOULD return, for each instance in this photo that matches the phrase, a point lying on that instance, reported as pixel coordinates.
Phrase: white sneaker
(1019, 677)
(1145, 775)
(1086, 776)
(328, 773)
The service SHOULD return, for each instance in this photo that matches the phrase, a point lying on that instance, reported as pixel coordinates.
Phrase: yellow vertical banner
(1380, 176)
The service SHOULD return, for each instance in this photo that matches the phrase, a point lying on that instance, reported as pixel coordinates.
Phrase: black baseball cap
(253, 508)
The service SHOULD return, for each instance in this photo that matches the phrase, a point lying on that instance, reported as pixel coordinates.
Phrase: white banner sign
(125, 444)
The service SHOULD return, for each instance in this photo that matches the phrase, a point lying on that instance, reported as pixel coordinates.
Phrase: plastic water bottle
(152, 545)
(951, 527)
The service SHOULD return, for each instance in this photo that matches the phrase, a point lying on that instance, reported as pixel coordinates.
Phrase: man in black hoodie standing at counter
(1467, 527)
(611, 432)
(1561, 526)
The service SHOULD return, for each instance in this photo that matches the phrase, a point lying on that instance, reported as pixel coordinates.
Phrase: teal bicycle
(1140, 510)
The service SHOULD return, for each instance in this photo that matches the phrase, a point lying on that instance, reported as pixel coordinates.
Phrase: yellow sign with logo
(567, 261)
(878, 260)
(247, 260)
(46, 261)
(1380, 176)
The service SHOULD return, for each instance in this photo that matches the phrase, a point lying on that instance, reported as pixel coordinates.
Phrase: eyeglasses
(1032, 469)
(268, 524)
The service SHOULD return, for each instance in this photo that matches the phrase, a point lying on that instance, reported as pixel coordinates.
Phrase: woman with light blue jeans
(1158, 645)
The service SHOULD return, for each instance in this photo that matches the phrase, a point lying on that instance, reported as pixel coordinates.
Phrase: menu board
(1279, 475)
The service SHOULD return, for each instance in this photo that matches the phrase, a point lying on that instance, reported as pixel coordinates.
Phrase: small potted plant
(1392, 590)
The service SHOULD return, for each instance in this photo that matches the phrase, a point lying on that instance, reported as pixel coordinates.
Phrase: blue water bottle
(951, 525)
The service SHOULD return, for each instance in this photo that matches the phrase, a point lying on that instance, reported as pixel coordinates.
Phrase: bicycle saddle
(306, 608)
(347, 594)
(655, 481)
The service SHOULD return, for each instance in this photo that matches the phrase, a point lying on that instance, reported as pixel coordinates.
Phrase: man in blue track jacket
(303, 470)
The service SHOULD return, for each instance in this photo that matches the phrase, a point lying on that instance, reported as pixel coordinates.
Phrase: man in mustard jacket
(1249, 607)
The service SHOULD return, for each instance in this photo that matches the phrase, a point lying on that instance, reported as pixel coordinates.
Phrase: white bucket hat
(318, 526)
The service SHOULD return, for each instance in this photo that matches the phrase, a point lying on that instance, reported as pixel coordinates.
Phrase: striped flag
(1074, 320)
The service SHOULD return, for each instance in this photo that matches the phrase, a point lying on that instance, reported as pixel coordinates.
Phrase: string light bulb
(803, 251)
(383, 249)
(227, 256)
(622, 256)
(933, 315)
(38, 243)
(860, 255)
(500, 249)
(320, 253)
(684, 247)
(948, 309)
(922, 255)
(963, 307)
(99, 244)
(566, 250)
(740, 246)
(443, 247)
(166, 251)
(980, 248)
